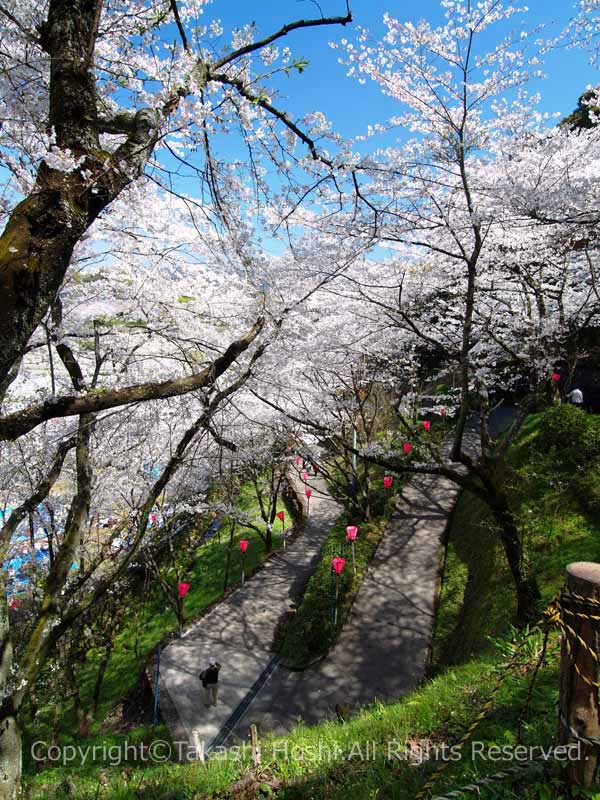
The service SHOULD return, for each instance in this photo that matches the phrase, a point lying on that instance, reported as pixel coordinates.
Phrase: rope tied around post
(566, 604)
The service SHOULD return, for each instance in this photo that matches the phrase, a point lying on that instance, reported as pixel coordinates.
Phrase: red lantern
(183, 589)
(305, 475)
(298, 461)
(15, 603)
(351, 532)
(153, 517)
(427, 425)
(407, 447)
(387, 482)
(243, 545)
(281, 515)
(338, 565)
(555, 377)
(308, 493)
(315, 470)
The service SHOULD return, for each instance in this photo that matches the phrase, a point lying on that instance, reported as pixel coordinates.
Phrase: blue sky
(350, 106)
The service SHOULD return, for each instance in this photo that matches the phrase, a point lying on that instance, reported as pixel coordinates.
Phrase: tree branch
(283, 31)
(108, 579)
(28, 506)
(180, 27)
(14, 425)
(258, 100)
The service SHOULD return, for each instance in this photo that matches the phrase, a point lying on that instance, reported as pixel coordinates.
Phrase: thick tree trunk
(38, 241)
(11, 757)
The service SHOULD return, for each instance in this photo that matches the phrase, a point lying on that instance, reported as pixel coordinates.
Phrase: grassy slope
(470, 643)
(311, 632)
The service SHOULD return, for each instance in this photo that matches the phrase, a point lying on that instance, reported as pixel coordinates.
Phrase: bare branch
(178, 22)
(283, 31)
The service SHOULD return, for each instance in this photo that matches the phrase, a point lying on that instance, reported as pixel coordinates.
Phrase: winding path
(239, 633)
(380, 654)
(382, 650)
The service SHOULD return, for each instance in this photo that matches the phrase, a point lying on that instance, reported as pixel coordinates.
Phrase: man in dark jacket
(210, 682)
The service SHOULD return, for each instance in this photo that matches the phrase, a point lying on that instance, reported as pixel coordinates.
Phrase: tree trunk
(526, 585)
(367, 493)
(228, 559)
(10, 756)
(100, 677)
(10, 738)
(39, 238)
(269, 537)
(83, 721)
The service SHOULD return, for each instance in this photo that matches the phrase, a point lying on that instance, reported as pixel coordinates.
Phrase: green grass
(311, 632)
(318, 756)
(473, 641)
(477, 597)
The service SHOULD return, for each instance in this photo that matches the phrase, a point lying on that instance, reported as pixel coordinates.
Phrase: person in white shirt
(576, 397)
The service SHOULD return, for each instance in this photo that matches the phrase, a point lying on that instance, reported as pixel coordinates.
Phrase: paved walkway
(380, 654)
(239, 633)
(383, 647)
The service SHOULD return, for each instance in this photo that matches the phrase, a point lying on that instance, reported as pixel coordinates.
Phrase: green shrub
(571, 434)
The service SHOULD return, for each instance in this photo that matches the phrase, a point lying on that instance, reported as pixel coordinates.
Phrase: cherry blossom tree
(98, 103)
(92, 88)
(116, 324)
(489, 218)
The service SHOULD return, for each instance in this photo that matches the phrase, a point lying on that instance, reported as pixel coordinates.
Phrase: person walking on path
(576, 398)
(210, 682)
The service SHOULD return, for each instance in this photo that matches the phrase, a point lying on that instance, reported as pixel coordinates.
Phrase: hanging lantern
(243, 545)
(338, 565)
(351, 532)
(426, 425)
(308, 493)
(555, 377)
(315, 469)
(387, 482)
(281, 516)
(407, 447)
(15, 602)
(298, 461)
(305, 475)
(183, 589)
